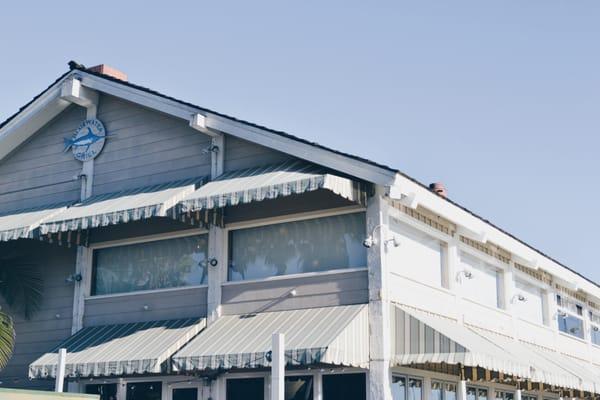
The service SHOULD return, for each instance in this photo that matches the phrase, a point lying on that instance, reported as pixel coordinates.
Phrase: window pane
(185, 394)
(295, 247)
(398, 388)
(449, 391)
(298, 388)
(344, 387)
(437, 390)
(532, 308)
(106, 391)
(415, 389)
(482, 394)
(417, 247)
(595, 335)
(245, 389)
(144, 391)
(152, 265)
(571, 325)
(483, 285)
(471, 393)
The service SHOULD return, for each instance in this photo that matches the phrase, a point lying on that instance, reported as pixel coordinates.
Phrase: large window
(144, 391)
(570, 317)
(298, 388)
(312, 245)
(595, 328)
(406, 388)
(477, 393)
(151, 265)
(443, 390)
(106, 391)
(344, 387)
(420, 256)
(479, 281)
(245, 389)
(529, 302)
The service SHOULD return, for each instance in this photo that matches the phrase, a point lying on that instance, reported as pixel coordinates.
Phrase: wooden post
(380, 376)
(278, 367)
(60, 370)
(462, 390)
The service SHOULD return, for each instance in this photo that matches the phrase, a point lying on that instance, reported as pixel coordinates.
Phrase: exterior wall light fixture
(518, 297)
(370, 240)
(74, 278)
(465, 273)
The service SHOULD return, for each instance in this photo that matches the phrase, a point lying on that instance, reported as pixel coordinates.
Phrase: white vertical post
(318, 386)
(83, 267)
(462, 390)
(217, 245)
(380, 376)
(426, 388)
(60, 370)
(518, 394)
(278, 367)
(217, 157)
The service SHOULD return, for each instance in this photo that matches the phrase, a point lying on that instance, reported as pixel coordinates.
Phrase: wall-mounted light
(519, 297)
(73, 278)
(561, 314)
(146, 307)
(595, 328)
(394, 241)
(465, 273)
(370, 240)
(213, 262)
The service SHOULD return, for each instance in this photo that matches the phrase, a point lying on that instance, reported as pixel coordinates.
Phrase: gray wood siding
(41, 161)
(312, 291)
(52, 323)
(146, 147)
(170, 304)
(240, 154)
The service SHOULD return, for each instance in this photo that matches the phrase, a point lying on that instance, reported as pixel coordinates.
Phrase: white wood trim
(140, 292)
(148, 238)
(217, 156)
(339, 271)
(83, 267)
(217, 249)
(294, 217)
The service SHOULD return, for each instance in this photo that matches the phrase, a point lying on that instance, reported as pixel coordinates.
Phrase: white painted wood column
(278, 366)
(453, 267)
(462, 391)
(217, 239)
(509, 292)
(379, 382)
(60, 370)
(84, 260)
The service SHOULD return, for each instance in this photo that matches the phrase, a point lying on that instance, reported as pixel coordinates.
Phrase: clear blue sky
(498, 99)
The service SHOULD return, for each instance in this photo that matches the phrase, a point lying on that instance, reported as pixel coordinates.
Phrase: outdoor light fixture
(74, 278)
(518, 297)
(213, 262)
(562, 314)
(465, 273)
(370, 240)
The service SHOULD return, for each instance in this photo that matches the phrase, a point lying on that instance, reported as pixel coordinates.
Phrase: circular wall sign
(87, 141)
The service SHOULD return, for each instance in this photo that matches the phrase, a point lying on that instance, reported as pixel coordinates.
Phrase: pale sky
(498, 99)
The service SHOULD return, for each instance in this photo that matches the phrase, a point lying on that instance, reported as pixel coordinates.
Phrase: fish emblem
(86, 140)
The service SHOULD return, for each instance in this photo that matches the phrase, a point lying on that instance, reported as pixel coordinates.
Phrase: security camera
(394, 241)
(368, 242)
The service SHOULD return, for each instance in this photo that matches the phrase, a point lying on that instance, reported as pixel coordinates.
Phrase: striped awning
(419, 337)
(23, 224)
(331, 335)
(270, 182)
(124, 349)
(120, 207)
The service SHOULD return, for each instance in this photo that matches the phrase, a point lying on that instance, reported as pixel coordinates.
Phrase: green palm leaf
(7, 339)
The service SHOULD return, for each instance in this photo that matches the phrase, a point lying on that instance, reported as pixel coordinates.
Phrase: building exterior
(174, 241)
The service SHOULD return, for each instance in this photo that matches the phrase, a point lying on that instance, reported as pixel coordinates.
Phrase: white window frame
(443, 382)
(282, 220)
(407, 377)
(487, 262)
(136, 240)
(568, 312)
(593, 325)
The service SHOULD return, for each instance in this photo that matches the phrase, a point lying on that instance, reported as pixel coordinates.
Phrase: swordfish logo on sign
(87, 141)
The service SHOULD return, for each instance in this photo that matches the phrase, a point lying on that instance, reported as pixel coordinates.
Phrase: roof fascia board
(32, 118)
(243, 131)
(405, 190)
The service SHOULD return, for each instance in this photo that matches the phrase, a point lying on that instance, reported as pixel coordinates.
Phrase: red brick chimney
(109, 71)
(439, 188)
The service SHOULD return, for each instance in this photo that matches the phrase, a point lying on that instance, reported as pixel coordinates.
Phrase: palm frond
(7, 339)
(21, 286)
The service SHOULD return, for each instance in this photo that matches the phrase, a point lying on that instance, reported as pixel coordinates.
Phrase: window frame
(131, 241)
(443, 382)
(407, 377)
(561, 309)
(257, 223)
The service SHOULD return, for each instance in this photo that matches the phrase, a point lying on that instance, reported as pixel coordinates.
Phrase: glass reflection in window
(312, 245)
(443, 391)
(151, 265)
(570, 324)
(398, 388)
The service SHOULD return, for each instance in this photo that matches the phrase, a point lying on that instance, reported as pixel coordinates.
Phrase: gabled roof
(360, 167)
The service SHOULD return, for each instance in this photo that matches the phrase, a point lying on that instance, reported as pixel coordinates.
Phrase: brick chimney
(439, 188)
(109, 71)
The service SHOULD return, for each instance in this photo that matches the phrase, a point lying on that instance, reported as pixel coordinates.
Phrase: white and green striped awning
(270, 182)
(124, 349)
(120, 207)
(23, 224)
(331, 335)
(421, 338)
